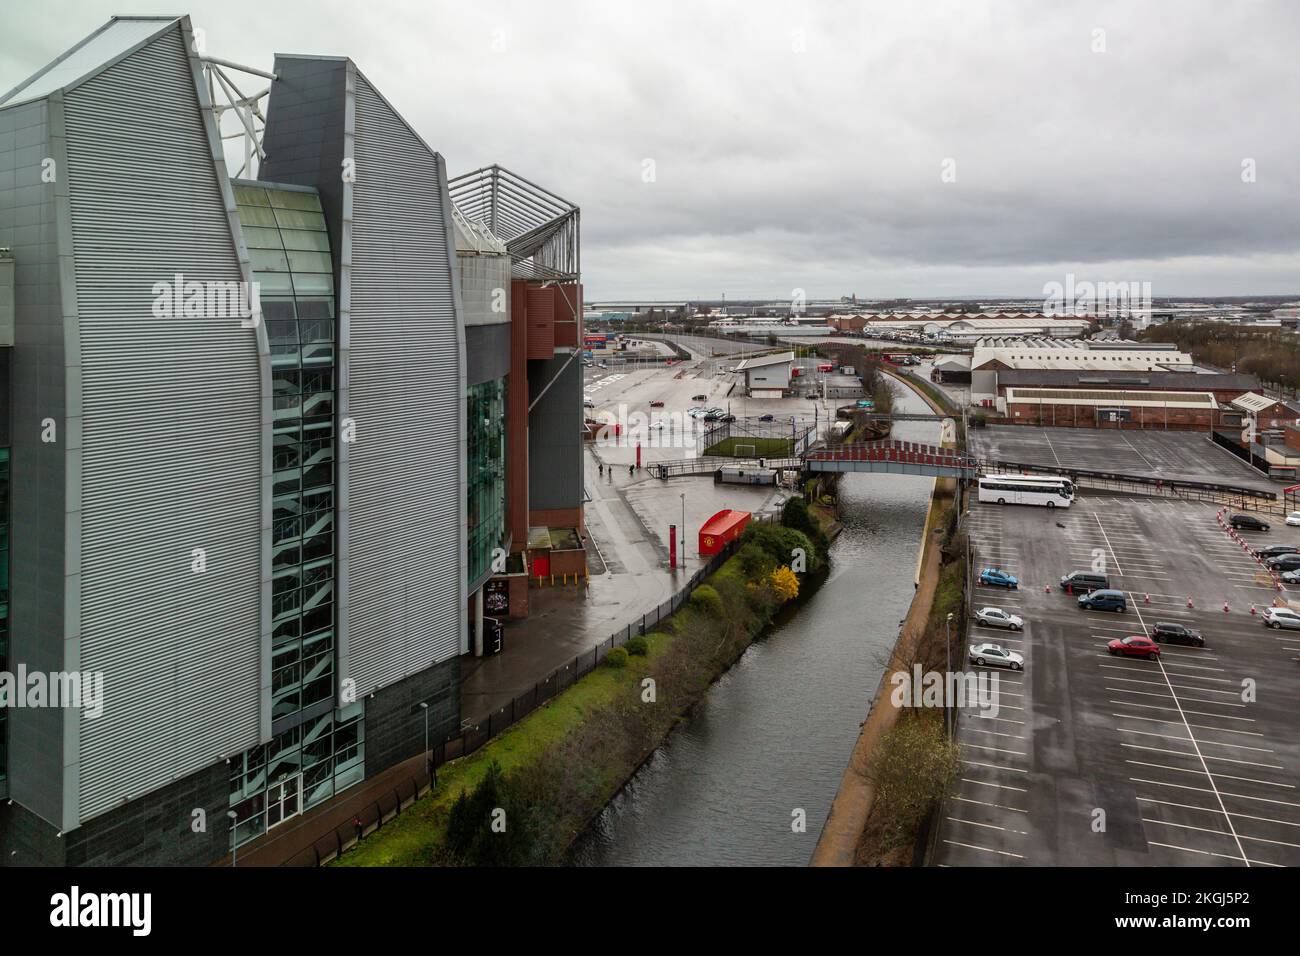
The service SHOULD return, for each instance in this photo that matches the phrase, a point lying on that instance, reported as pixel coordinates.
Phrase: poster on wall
(496, 596)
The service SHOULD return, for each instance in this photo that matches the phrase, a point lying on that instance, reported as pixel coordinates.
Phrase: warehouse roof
(777, 359)
(1109, 398)
(1121, 378)
(1251, 402)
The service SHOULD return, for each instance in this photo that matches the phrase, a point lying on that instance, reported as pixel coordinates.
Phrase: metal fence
(480, 731)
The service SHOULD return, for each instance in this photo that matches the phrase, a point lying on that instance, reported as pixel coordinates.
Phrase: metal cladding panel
(170, 438)
(37, 479)
(555, 435)
(406, 494)
(541, 322)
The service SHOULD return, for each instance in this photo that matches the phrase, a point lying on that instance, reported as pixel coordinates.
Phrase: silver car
(1279, 617)
(995, 655)
(996, 617)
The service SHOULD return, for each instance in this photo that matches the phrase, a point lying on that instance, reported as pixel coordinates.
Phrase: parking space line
(1216, 743)
(997, 806)
(1198, 713)
(971, 846)
(1000, 786)
(994, 766)
(1184, 753)
(1212, 774)
(989, 826)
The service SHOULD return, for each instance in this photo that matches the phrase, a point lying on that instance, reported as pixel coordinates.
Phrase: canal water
(774, 734)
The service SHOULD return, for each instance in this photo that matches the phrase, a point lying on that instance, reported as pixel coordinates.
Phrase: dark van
(1104, 600)
(1083, 582)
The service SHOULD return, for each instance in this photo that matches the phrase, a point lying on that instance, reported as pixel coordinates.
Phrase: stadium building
(279, 439)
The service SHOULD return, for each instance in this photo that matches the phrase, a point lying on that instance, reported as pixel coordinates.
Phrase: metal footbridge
(892, 456)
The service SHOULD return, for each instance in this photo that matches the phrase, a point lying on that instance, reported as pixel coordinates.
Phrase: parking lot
(1099, 760)
(1182, 455)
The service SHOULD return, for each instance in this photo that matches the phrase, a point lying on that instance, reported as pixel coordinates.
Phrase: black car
(1276, 550)
(1249, 522)
(1283, 562)
(765, 418)
(1164, 632)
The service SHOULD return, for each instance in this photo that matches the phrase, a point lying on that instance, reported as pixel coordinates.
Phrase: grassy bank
(547, 776)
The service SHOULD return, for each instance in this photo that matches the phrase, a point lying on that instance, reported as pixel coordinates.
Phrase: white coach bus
(1049, 490)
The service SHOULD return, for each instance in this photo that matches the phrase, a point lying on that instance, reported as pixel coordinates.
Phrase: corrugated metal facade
(405, 557)
(170, 439)
(28, 224)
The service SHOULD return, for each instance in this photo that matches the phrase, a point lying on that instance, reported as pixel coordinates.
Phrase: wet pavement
(628, 516)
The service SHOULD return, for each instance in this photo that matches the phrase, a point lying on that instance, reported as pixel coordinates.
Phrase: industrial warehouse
(326, 589)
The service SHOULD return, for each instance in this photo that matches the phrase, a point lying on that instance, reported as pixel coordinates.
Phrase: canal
(774, 734)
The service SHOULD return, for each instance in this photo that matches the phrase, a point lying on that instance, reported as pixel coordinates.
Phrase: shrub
(755, 562)
(617, 657)
(912, 769)
(637, 646)
(784, 584)
(471, 839)
(781, 543)
(707, 601)
(796, 515)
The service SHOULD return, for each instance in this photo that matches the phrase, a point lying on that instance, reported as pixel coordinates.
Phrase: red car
(656, 404)
(1135, 646)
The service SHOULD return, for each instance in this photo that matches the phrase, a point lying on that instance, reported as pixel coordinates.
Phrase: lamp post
(428, 762)
(947, 721)
(234, 838)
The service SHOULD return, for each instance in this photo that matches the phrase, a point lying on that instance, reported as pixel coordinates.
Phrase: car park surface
(1181, 455)
(1094, 759)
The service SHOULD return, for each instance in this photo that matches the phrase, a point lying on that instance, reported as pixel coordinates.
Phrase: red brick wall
(1084, 416)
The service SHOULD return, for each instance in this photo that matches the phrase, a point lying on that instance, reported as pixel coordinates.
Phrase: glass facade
(485, 426)
(4, 599)
(316, 755)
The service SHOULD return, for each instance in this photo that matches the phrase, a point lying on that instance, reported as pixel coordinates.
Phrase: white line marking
(1204, 766)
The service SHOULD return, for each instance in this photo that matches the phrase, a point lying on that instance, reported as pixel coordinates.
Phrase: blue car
(996, 577)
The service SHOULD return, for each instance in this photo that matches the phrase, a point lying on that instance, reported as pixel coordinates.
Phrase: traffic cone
(1146, 599)
(1047, 589)
(1252, 610)
(1069, 589)
(1225, 607)
(1189, 601)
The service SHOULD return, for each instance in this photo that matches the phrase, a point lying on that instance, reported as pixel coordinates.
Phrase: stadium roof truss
(541, 230)
(228, 98)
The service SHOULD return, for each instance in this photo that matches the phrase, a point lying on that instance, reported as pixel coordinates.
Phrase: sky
(765, 149)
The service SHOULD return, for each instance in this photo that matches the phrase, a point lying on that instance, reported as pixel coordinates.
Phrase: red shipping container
(723, 528)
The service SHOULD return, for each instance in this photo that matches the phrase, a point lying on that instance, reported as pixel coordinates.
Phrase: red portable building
(722, 528)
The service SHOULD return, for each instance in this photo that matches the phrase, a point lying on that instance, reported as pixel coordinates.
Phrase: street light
(947, 722)
(428, 760)
(234, 838)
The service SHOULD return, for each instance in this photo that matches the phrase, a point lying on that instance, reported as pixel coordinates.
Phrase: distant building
(767, 376)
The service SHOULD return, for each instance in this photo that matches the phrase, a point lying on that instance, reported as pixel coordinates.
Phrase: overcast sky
(807, 148)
